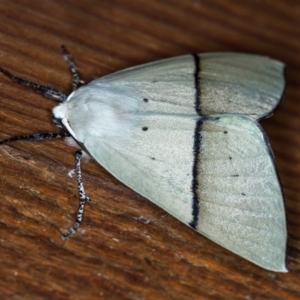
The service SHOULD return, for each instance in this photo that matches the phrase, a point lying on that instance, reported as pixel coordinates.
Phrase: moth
(184, 133)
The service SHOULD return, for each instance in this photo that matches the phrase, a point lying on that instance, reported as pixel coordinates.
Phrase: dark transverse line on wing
(197, 144)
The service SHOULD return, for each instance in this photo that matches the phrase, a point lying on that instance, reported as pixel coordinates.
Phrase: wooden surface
(127, 248)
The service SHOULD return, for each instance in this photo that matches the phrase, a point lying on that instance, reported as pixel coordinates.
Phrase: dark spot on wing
(146, 100)
(145, 128)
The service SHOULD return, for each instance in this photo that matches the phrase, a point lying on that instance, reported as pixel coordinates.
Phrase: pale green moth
(183, 133)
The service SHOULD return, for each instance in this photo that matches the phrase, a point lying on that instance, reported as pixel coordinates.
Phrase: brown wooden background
(127, 248)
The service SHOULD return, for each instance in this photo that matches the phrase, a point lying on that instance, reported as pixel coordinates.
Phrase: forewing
(214, 174)
(203, 84)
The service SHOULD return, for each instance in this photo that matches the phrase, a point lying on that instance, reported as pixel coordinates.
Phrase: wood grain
(127, 248)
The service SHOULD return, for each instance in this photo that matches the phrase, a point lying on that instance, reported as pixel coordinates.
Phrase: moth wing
(216, 174)
(241, 201)
(203, 84)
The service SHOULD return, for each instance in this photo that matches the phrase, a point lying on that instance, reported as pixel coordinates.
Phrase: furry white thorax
(96, 110)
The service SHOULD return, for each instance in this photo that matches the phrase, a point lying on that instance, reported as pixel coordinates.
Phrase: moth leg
(73, 68)
(82, 195)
